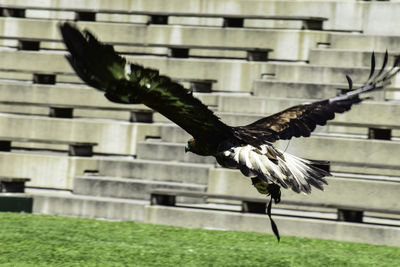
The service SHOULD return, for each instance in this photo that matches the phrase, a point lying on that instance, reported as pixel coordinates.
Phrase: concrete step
(73, 95)
(113, 137)
(309, 73)
(369, 191)
(348, 57)
(306, 90)
(345, 154)
(172, 133)
(288, 226)
(367, 42)
(61, 203)
(68, 204)
(343, 15)
(331, 129)
(46, 170)
(368, 112)
(60, 94)
(287, 44)
(222, 71)
(117, 187)
(169, 152)
(155, 170)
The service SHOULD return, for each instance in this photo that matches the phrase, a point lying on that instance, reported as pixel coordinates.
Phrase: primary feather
(247, 148)
(301, 120)
(99, 66)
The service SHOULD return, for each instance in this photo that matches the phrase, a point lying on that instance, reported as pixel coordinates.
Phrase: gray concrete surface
(309, 90)
(288, 226)
(89, 206)
(290, 72)
(366, 42)
(340, 150)
(362, 191)
(368, 112)
(139, 210)
(113, 137)
(287, 44)
(172, 133)
(64, 94)
(47, 170)
(220, 70)
(155, 170)
(116, 187)
(30, 95)
(174, 152)
(348, 57)
(372, 17)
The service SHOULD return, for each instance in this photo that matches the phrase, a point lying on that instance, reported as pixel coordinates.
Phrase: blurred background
(66, 150)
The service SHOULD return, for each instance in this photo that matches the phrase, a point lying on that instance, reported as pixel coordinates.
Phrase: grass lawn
(42, 240)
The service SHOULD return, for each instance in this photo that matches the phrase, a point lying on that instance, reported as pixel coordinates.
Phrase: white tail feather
(274, 166)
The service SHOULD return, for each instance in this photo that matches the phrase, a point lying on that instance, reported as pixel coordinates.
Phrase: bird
(248, 148)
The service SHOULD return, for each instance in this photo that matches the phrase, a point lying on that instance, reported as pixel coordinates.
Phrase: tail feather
(273, 166)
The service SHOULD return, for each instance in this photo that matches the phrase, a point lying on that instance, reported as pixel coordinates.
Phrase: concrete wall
(65, 94)
(359, 192)
(89, 206)
(45, 170)
(155, 170)
(302, 227)
(339, 151)
(309, 90)
(287, 44)
(368, 112)
(117, 137)
(369, 17)
(220, 70)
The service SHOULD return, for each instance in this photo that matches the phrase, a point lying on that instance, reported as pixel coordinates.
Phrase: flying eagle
(247, 148)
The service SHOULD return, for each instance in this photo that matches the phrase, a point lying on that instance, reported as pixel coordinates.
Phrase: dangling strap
(273, 225)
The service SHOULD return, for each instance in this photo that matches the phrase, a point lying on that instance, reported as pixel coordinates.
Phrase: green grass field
(41, 240)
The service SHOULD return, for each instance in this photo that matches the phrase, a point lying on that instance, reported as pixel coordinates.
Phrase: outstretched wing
(301, 120)
(101, 67)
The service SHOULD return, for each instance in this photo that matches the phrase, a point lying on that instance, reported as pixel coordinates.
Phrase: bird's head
(190, 146)
(194, 147)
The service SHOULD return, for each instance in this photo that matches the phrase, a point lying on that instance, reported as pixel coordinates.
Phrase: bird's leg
(273, 190)
(261, 186)
(269, 189)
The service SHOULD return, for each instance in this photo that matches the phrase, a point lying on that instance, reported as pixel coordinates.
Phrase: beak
(186, 148)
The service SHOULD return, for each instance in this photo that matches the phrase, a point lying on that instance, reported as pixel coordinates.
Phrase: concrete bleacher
(347, 57)
(221, 71)
(310, 90)
(133, 159)
(344, 150)
(128, 188)
(294, 47)
(113, 137)
(370, 17)
(369, 115)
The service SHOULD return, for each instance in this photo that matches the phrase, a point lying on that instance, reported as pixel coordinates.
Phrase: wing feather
(301, 120)
(101, 67)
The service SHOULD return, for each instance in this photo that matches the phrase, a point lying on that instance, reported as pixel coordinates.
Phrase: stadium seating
(255, 69)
